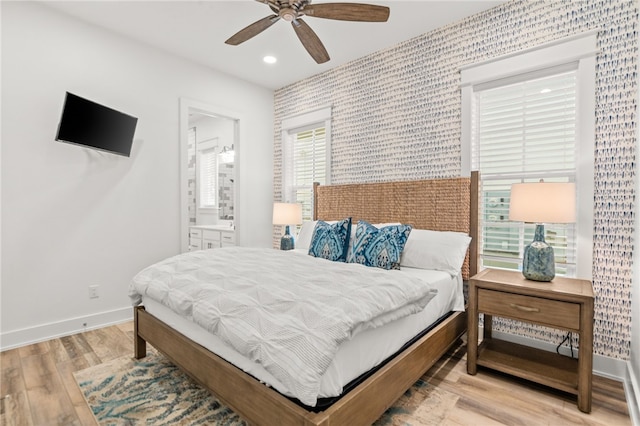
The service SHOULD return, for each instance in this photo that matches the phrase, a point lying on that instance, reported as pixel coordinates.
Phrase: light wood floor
(38, 387)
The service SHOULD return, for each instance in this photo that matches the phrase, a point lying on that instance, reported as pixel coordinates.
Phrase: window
(524, 132)
(206, 166)
(307, 164)
(305, 157)
(530, 116)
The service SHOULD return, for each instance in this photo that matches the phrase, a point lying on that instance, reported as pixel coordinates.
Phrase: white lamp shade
(287, 214)
(543, 202)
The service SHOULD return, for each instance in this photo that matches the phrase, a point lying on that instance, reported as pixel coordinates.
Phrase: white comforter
(285, 311)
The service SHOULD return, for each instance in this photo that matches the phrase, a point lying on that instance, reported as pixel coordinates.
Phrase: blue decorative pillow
(331, 241)
(379, 247)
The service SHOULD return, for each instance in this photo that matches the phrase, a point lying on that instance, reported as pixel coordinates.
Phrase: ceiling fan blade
(310, 41)
(348, 12)
(252, 30)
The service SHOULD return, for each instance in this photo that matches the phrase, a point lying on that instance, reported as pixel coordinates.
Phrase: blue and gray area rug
(153, 391)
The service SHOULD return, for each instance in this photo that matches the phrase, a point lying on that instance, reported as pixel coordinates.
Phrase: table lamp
(541, 202)
(287, 214)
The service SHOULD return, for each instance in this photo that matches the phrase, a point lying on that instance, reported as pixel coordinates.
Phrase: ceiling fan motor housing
(288, 14)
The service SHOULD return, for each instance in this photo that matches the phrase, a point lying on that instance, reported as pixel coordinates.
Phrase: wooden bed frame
(441, 204)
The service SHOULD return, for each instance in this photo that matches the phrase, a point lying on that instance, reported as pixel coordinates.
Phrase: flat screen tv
(87, 123)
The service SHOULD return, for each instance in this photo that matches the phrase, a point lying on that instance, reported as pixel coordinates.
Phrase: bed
(440, 205)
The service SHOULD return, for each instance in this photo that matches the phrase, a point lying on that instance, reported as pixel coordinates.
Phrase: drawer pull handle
(524, 308)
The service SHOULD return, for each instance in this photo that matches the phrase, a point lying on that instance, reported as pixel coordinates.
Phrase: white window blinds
(307, 163)
(207, 182)
(524, 131)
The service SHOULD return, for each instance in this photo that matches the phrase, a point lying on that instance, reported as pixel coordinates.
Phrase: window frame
(294, 124)
(579, 51)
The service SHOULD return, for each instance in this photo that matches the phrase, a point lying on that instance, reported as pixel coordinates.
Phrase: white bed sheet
(356, 356)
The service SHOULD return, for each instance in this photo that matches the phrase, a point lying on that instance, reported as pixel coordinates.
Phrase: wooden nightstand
(564, 303)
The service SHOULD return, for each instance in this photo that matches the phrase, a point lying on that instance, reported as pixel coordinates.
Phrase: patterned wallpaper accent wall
(396, 116)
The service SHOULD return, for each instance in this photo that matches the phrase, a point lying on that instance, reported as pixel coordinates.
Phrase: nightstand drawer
(554, 313)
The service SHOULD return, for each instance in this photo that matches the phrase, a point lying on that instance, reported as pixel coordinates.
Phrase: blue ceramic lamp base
(286, 242)
(538, 263)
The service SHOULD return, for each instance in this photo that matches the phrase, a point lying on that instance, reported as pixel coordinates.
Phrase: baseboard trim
(602, 366)
(632, 392)
(40, 333)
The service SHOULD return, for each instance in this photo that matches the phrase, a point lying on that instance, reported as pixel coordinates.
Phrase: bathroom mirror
(209, 143)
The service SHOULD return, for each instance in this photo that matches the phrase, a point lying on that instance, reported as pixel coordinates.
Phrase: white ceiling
(196, 30)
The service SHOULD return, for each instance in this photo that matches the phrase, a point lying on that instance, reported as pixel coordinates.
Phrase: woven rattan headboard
(437, 204)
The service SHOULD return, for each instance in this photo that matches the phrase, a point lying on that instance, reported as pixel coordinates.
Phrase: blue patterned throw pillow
(331, 241)
(379, 247)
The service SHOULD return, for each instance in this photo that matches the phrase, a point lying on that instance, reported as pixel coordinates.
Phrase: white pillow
(306, 233)
(439, 250)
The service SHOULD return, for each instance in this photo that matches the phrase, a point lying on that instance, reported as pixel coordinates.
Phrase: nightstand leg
(472, 331)
(585, 357)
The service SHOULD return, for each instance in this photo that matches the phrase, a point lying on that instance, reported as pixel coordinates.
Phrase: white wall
(74, 217)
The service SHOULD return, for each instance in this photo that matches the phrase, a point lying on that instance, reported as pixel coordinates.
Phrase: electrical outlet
(93, 292)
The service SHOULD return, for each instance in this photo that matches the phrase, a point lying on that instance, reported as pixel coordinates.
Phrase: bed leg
(139, 344)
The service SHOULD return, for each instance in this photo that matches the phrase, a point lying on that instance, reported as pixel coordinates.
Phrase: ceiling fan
(293, 11)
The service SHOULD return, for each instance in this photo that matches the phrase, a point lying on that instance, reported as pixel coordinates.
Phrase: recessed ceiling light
(270, 59)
